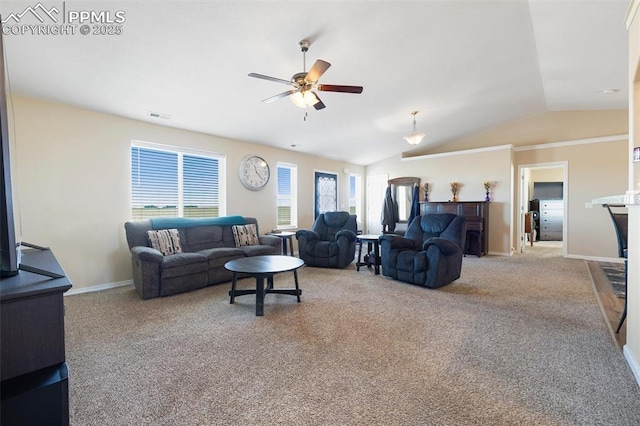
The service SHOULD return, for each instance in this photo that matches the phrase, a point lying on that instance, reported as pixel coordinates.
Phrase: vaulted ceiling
(465, 65)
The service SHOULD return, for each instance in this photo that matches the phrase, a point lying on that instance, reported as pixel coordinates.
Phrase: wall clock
(254, 172)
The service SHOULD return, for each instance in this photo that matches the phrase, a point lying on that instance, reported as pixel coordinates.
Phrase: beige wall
(634, 128)
(594, 170)
(71, 172)
(545, 174)
(551, 174)
(565, 128)
(471, 169)
(550, 126)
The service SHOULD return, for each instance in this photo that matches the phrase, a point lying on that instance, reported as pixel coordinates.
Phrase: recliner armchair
(429, 254)
(331, 243)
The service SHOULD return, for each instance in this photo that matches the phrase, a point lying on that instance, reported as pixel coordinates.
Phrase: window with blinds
(355, 195)
(175, 182)
(352, 194)
(287, 198)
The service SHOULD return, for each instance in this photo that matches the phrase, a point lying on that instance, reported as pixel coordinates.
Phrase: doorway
(376, 187)
(325, 189)
(543, 194)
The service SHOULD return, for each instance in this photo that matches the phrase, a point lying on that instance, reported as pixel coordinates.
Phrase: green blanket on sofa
(188, 222)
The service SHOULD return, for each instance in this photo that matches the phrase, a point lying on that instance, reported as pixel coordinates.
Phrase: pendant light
(414, 138)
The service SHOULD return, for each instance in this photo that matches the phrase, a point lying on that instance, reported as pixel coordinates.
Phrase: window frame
(357, 197)
(181, 152)
(293, 196)
(317, 195)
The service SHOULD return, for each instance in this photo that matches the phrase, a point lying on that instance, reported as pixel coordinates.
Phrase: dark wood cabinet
(477, 214)
(32, 333)
(32, 349)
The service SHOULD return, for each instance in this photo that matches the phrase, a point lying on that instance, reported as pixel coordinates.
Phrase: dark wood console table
(33, 369)
(477, 214)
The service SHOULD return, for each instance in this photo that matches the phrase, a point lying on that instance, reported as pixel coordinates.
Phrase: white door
(376, 187)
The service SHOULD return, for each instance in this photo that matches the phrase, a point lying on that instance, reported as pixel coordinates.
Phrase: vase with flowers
(427, 190)
(455, 187)
(488, 185)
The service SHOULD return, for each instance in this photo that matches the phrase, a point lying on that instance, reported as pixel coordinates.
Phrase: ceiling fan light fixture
(304, 99)
(414, 138)
(304, 83)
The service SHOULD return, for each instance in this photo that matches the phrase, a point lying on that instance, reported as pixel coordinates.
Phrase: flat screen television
(9, 255)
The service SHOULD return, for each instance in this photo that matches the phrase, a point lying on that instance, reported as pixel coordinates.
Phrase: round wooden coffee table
(262, 267)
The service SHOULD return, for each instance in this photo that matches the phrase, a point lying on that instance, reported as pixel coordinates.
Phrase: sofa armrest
(147, 254)
(446, 247)
(270, 240)
(146, 264)
(397, 242)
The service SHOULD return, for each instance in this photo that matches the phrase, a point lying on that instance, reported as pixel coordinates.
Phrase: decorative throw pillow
(166, 241)
(245, 235)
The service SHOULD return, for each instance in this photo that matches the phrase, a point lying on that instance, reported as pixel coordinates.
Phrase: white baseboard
(633, 363)
(596, 258)
(99, 287)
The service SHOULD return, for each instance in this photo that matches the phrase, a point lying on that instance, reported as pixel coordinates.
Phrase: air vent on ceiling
(159, 115)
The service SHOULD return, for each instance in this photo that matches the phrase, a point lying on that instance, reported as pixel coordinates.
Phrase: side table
(287, 239)
(370, 240)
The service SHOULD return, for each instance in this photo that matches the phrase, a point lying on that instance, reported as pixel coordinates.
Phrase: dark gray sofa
(205, 250)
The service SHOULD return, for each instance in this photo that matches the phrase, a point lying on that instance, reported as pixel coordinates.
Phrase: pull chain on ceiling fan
(304, 83)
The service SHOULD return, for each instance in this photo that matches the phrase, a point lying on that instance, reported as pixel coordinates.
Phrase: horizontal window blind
(171, 183)
(352, 194)
(154, 178)
(286, 198)
(200, 186)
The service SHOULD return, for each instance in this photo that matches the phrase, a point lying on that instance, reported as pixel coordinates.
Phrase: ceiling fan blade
(317, 70)
(279, 96)
(338, 88)
(266, 77)
(319, 105)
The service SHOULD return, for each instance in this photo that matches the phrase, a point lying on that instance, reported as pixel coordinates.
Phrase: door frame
(523, 199)
(317, 174)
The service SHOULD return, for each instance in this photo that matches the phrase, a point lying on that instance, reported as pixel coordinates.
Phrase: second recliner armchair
(429, 254)
(331, 243)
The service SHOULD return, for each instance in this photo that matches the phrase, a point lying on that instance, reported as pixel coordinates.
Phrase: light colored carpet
(517, 340)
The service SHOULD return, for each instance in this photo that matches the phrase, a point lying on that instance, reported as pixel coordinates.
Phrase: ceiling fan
(304, 83)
